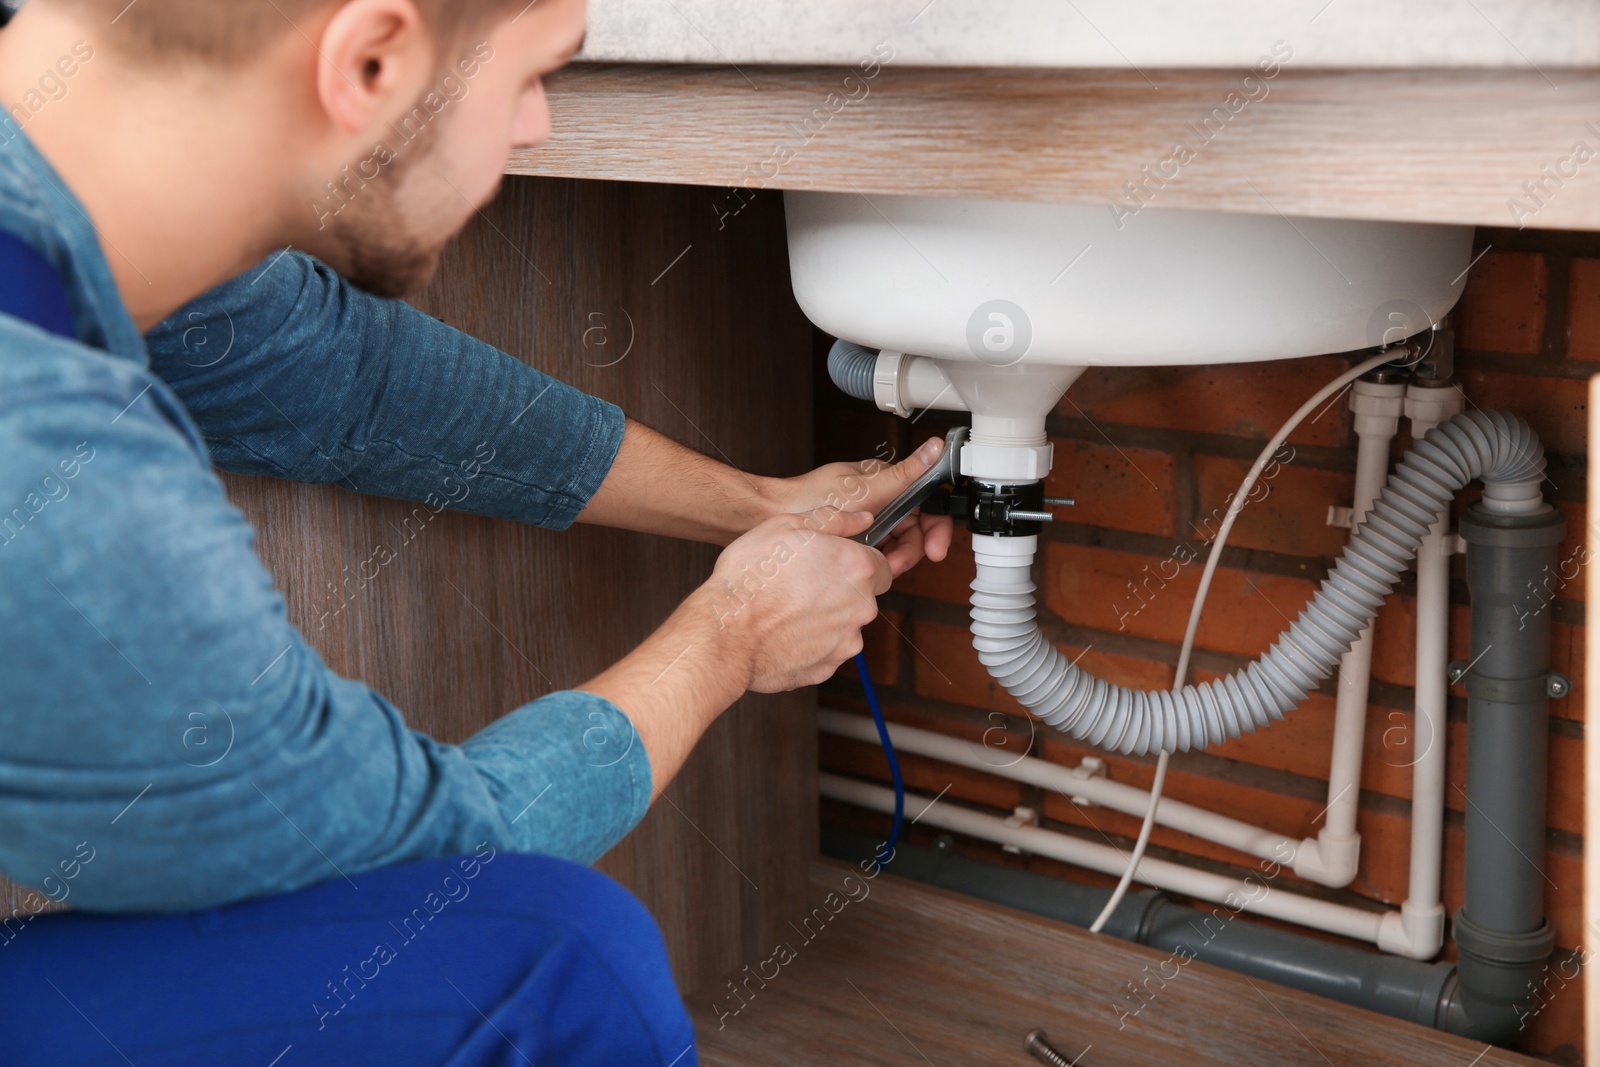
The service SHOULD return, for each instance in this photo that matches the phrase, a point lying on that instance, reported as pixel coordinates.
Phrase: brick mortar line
(1161, 546)
(1333, 458)
(1536, 366)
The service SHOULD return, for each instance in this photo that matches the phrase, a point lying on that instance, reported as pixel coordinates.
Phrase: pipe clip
(1090, 767)
(1020, 819)
(1510, 690)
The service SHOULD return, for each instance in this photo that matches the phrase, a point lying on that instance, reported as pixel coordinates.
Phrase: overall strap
(31, 289)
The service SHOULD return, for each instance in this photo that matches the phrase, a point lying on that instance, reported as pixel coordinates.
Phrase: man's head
(395, 117)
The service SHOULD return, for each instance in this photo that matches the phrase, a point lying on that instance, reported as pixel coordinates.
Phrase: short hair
(230, 31)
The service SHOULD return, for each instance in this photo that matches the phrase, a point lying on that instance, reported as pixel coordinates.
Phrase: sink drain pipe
(1501, 932)
(1497, 448)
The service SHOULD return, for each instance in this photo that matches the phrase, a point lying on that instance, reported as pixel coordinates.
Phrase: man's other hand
(870, 486)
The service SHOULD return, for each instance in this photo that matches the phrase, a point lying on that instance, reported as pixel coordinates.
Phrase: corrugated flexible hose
(1496, 447)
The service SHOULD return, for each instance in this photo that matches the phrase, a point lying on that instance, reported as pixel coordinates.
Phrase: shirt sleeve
(289, 370)
(162, 713)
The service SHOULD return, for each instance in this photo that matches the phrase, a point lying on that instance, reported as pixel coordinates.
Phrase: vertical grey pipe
(1501, 929)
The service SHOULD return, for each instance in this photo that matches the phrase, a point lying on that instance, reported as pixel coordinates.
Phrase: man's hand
(871, 486)
(794, 593)
(783, 608)
(658, 486)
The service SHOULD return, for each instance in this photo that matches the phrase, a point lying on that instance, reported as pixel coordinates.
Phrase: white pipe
(1428, 773)
(1422, 914)
(1332, 857)
(1261, 897)
(1117, 796)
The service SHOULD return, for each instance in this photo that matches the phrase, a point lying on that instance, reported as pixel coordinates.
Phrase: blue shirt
(157, 710)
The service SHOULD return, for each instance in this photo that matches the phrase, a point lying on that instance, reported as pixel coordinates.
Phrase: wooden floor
(890, 972)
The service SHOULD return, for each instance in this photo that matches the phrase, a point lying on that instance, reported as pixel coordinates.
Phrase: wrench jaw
(933, 485)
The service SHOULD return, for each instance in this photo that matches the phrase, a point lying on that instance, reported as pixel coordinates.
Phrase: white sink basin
(1076, 285)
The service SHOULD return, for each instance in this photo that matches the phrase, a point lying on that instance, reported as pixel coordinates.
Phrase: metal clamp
(1510, 690)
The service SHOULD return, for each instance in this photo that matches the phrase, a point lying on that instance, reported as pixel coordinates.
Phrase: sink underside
(1090, 285)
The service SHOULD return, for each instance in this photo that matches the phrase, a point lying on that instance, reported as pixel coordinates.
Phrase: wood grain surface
(1426, 146)
(889, 973)
(485, 615)
(476, 616)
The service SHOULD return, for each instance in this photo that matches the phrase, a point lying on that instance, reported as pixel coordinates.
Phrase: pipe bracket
(1510, 690)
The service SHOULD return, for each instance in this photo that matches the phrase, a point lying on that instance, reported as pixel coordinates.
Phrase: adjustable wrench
(945, 471)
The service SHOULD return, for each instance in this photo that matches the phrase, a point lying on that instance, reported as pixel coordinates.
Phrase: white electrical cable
(1234, 507)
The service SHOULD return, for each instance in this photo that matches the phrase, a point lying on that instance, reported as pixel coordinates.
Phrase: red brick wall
(1148, 454)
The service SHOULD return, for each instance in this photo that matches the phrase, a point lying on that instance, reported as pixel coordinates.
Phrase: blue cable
(894, 764)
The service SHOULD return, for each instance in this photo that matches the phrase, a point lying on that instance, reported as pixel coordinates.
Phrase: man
(355, 892)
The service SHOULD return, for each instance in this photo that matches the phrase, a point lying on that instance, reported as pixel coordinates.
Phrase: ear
(373, 56)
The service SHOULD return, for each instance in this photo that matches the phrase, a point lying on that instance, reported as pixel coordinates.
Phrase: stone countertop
(1537, 35)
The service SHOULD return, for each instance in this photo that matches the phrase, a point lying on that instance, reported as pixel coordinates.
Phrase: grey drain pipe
(1404, 989)
(1501, 931)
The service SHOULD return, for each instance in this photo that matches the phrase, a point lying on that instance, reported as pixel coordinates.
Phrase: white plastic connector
(1428, 406)
(1514, 498)
(1412, 932)
(902, 384)
(1329, 859)
(1377, 407)
(994, 551)
(1007, 463)
(886, 383)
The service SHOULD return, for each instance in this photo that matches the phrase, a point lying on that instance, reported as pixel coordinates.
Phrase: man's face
(446, 156)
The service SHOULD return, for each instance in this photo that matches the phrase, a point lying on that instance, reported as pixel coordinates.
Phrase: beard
(374, 243)
(375, 250)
